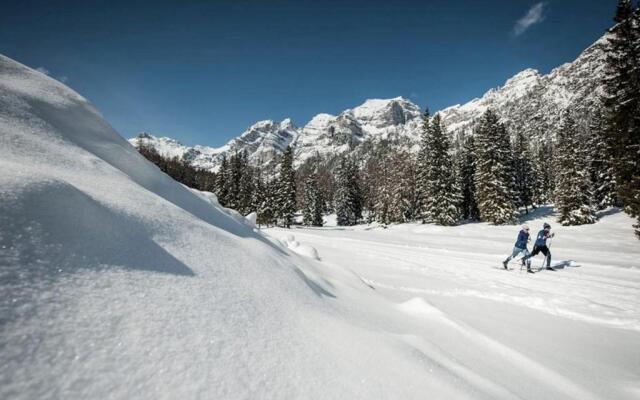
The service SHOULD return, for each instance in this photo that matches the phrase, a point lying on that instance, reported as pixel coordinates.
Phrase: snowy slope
(527, 101)
(569, 334)
(118, 282)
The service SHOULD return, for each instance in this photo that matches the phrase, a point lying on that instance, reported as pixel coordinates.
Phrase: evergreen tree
(572, 197)
(246, 185)
(466, 172)
(347, 200)
(264, 201)
(313, 202)
(402, 190)
(525, 179)
(543, 166)
(222, 187)
(622, 105)
(422, 167)
(440, 192)
(600, 164)
(494, 178)
(286, 193)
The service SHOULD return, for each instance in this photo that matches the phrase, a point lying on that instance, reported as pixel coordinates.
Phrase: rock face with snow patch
(201, 157)
(534, 103)
(265, 140)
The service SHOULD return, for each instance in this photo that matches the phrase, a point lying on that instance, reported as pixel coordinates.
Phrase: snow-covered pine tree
(494, 178)
(246, 185)
(374, 183)
(633, 147)
(264, 201)
(543, 166)
(600, 164)
(286, 190)
(524, 172)
(347, 199)
(572, 196)
(622, 104)
(422, 167)
(466, 172)
(356, 190)
(440, 190)
(222, 187)
(313, 202)
(345, 212)
(402, 206)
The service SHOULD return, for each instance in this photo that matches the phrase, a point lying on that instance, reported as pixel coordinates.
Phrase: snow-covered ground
(573, 333)
(117, 282)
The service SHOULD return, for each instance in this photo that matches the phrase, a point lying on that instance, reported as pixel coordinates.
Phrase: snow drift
(118, 282)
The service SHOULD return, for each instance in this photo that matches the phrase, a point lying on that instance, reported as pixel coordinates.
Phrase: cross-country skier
(520, 248)
(540, 246)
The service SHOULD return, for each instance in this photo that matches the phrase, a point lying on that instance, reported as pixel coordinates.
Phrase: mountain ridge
(529, 101)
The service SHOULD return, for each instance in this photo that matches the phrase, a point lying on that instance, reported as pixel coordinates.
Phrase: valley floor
(573, 333)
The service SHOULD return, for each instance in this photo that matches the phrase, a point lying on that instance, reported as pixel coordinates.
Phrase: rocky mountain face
(528, 101)
(533, 102)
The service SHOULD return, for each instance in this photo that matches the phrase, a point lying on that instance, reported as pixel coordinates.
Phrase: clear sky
(203, 71)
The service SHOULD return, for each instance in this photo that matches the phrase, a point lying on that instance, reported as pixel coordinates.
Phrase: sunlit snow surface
(117, 282)
(573, 333)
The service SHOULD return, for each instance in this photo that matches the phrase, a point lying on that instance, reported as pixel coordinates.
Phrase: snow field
(573, 333)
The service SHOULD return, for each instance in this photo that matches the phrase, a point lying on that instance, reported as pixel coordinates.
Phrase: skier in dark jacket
(540, 246)
(520, 247)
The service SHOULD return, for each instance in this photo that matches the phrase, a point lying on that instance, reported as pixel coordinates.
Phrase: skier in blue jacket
(520, 248)
(540, 246)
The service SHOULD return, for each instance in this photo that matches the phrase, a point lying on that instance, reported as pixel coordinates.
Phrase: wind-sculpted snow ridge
(117, 282)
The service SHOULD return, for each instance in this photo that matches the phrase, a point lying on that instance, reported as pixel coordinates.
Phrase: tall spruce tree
(286, 190)
(572, 195)
(525, 179)
(422, 167)
(600, 164)
(494, 175)
(633, 146)
(347, 200)
(313, 207)
(622, 105)
(265, 201)
(402, 206)
(246, 185)
(466, 173)
(222, 186)
(543, 164)
(440, 191)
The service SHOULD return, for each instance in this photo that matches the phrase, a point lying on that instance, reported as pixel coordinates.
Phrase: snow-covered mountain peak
(524, 78)
(380, 113)
(287, 123)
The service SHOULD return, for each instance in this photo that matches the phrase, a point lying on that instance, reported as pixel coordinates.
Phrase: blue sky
(203, 71)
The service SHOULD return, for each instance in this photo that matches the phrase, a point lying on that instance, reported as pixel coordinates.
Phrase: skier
(540, 246)
(520, 248)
